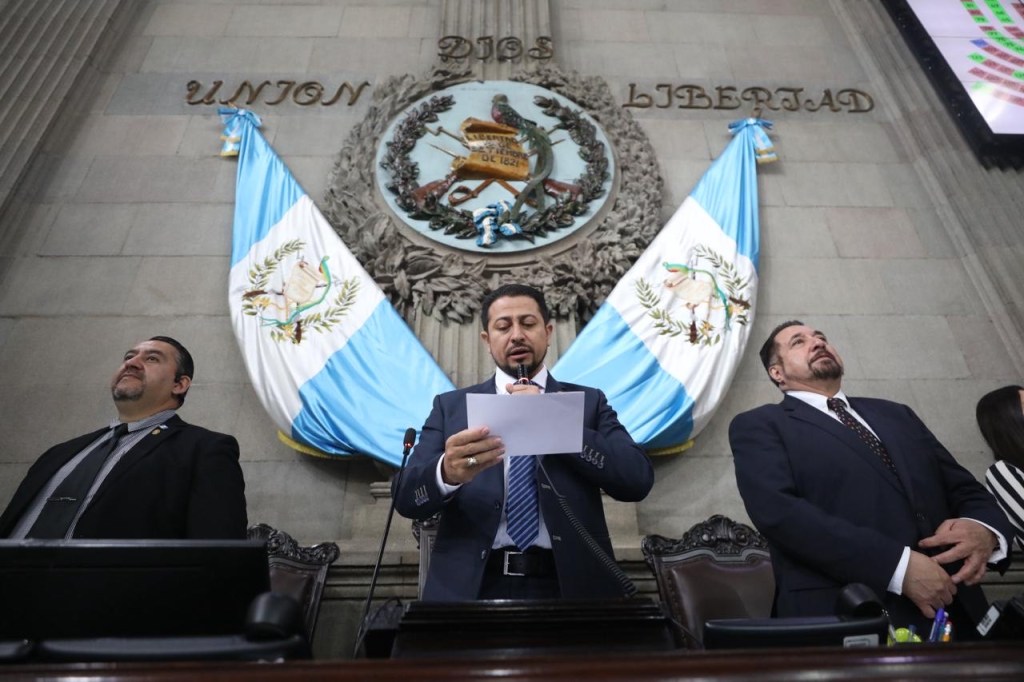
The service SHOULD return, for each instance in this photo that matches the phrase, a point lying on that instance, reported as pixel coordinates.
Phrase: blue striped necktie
(521, 504)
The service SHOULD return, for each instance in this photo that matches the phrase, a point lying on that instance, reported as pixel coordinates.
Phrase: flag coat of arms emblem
(335, 366)
(666, 343)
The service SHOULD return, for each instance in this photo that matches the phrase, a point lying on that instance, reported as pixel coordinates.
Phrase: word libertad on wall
(729, 97)
(666, 96)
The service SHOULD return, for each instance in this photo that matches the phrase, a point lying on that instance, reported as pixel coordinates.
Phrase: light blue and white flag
(665, 344)
(336, 368)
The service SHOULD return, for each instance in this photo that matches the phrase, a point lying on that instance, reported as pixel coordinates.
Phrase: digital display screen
(982, 41)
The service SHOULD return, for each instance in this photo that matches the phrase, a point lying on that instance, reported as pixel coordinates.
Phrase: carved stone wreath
(448, 285)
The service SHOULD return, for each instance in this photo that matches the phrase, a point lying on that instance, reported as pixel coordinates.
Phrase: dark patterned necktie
(839, 407)
(60, 509)
(521, 505)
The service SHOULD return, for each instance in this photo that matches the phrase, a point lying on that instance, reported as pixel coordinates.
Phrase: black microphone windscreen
(410, 438)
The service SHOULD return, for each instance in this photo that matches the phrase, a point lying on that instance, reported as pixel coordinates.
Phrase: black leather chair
(296, 571)
(718, 569)
(145, 600)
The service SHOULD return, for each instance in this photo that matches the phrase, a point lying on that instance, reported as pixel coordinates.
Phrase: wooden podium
(507, 628)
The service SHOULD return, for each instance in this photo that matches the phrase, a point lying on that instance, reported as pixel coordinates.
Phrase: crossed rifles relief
(497, 156)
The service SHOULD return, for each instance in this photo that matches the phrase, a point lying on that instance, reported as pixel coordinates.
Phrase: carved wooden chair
(299, 572)
(718, 569)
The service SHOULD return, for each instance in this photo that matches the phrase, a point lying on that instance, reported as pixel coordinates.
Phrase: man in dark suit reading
(148, 475)
(858, 490)
(503, 532)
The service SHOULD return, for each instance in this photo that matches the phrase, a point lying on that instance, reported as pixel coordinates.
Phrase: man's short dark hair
(506, 290)
(185, 365)
(770, 350)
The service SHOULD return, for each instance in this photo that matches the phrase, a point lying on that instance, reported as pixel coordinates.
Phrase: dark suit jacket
(610, 461)
(182, 482)
(833, 513)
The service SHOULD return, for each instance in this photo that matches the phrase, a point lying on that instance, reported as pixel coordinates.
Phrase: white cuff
(896, 583)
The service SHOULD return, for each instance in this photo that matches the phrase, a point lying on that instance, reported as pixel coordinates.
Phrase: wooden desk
(917, 662)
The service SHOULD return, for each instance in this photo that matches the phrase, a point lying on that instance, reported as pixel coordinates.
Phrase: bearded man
(858, 490)
(509, 535)
(147, 475)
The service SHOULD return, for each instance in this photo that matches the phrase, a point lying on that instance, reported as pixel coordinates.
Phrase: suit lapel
(155, 437)
(71, 449)
(485, 387)
(798, 409)
(48, 466)
(891, 434)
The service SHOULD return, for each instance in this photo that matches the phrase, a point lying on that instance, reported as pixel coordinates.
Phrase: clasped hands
(471, 451)
(926, 582)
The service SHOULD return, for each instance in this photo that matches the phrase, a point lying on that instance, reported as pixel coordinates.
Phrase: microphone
(407, 442)
(522, 374)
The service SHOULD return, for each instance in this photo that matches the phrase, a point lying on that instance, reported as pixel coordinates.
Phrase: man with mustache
(462, 474)
(860, 491)
(148, 475)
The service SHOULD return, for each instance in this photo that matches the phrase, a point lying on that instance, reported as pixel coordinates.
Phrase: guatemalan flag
(336, 368)
(665, 344)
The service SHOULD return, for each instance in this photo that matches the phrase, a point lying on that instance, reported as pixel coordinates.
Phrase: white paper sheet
(543, 424)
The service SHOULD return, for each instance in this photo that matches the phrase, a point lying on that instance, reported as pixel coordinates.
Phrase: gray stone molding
(45, 49)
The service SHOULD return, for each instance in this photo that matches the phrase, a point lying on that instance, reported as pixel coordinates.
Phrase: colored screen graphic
(982, 41)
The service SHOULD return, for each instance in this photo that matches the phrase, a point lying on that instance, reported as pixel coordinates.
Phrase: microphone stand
(409, 440)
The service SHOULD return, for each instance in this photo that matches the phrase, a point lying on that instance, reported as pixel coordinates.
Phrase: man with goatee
(858, 490)
(528, 526)
(147, 475)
